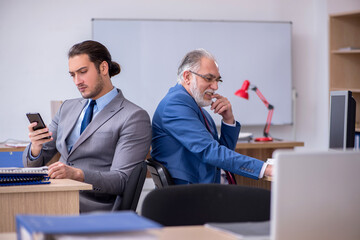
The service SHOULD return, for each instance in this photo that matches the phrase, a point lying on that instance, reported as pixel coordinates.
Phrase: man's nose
(77, 79)
(214, 85)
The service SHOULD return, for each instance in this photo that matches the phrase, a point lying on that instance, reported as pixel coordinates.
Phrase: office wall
(36, 35)
(338, 6)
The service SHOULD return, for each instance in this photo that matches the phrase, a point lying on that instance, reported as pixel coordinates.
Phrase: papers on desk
(115, 225)
(16, 144)
(25, 170)
(245, 137)
(23, 176)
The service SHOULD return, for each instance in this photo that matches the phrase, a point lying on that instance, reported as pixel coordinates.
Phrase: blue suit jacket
(188, 150)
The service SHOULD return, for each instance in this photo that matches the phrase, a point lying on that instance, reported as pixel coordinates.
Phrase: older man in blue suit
(185, 138)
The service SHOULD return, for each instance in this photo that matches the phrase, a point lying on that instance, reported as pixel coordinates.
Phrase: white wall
(36, 35)
(339, 6)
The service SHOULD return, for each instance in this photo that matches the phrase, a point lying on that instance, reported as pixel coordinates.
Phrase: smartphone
(36, 117)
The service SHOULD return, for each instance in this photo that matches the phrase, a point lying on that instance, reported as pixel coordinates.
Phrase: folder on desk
(23, 176)
(59, 227)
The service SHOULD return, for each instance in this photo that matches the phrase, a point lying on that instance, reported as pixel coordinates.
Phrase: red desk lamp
(243, 92)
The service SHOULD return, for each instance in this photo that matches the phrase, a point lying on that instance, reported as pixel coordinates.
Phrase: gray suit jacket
(116, 140)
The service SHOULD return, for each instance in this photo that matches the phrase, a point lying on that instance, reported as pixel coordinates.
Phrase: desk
(60, 197)
(170, 233)
(262, 151)
(191, 232)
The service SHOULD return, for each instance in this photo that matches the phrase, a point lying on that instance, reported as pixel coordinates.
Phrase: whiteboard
(150, 51)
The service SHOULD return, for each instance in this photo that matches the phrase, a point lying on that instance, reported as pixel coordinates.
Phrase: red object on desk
(243, 92)
(264, 139)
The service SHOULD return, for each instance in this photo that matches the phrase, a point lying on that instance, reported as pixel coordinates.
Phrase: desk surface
(55, 185)
(191, 232)
(173, 233)
(274, 144)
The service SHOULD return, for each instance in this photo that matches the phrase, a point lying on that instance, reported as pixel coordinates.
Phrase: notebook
(23, 176)
(315, 195)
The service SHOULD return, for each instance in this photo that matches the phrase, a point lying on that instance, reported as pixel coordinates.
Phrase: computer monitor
(322, 202)
(342, 120)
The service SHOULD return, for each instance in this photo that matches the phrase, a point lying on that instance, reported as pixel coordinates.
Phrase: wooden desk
(262, 151)
(191, 232)
(170, 233)
(60, 197)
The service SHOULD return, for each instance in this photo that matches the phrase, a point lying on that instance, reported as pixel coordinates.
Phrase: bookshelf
(344, 43)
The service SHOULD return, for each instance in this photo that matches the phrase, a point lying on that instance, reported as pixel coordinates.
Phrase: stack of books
(23, 176)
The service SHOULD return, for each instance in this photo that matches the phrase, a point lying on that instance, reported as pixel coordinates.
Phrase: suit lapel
(108, 112)
(71, 120)
(207, 122)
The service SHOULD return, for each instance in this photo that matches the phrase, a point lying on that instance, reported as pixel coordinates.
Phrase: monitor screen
(342, 120)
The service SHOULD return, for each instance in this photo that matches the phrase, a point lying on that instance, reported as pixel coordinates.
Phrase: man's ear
(187, 77)
(104, 68)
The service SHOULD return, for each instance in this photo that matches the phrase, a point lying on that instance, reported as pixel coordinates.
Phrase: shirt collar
(104, 100)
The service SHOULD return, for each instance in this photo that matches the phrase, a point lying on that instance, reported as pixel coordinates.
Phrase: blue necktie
(88, 116)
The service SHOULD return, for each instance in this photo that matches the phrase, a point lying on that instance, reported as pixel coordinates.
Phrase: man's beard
(97, 89)
(198, 96)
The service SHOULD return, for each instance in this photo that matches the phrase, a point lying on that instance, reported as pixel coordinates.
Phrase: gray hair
(191, 62)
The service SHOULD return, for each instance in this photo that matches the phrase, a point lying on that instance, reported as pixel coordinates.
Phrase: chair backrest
(197, 204)
(159, 173)
(130, 197)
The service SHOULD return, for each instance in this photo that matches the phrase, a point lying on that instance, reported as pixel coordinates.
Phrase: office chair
(197, 204)
(130, 197)
(159, 173)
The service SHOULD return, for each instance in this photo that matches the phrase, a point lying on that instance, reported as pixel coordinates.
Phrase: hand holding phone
(36, 117)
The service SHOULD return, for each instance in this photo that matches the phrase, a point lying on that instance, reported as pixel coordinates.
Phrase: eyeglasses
(210, 78)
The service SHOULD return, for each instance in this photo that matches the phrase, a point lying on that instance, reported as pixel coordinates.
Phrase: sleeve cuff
(230, 125)
(31, 157)
(261, 175)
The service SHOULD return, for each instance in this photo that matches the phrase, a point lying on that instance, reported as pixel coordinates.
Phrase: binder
(23, 176)
(91, 224)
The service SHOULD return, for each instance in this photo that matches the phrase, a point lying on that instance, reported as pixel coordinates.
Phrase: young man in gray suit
(103, 152)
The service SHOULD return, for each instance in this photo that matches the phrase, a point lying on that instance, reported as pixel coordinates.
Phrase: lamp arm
(268, 122)
(262, 98)
(269, 107)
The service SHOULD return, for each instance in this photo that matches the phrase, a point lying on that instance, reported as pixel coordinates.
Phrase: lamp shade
(243, 91)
